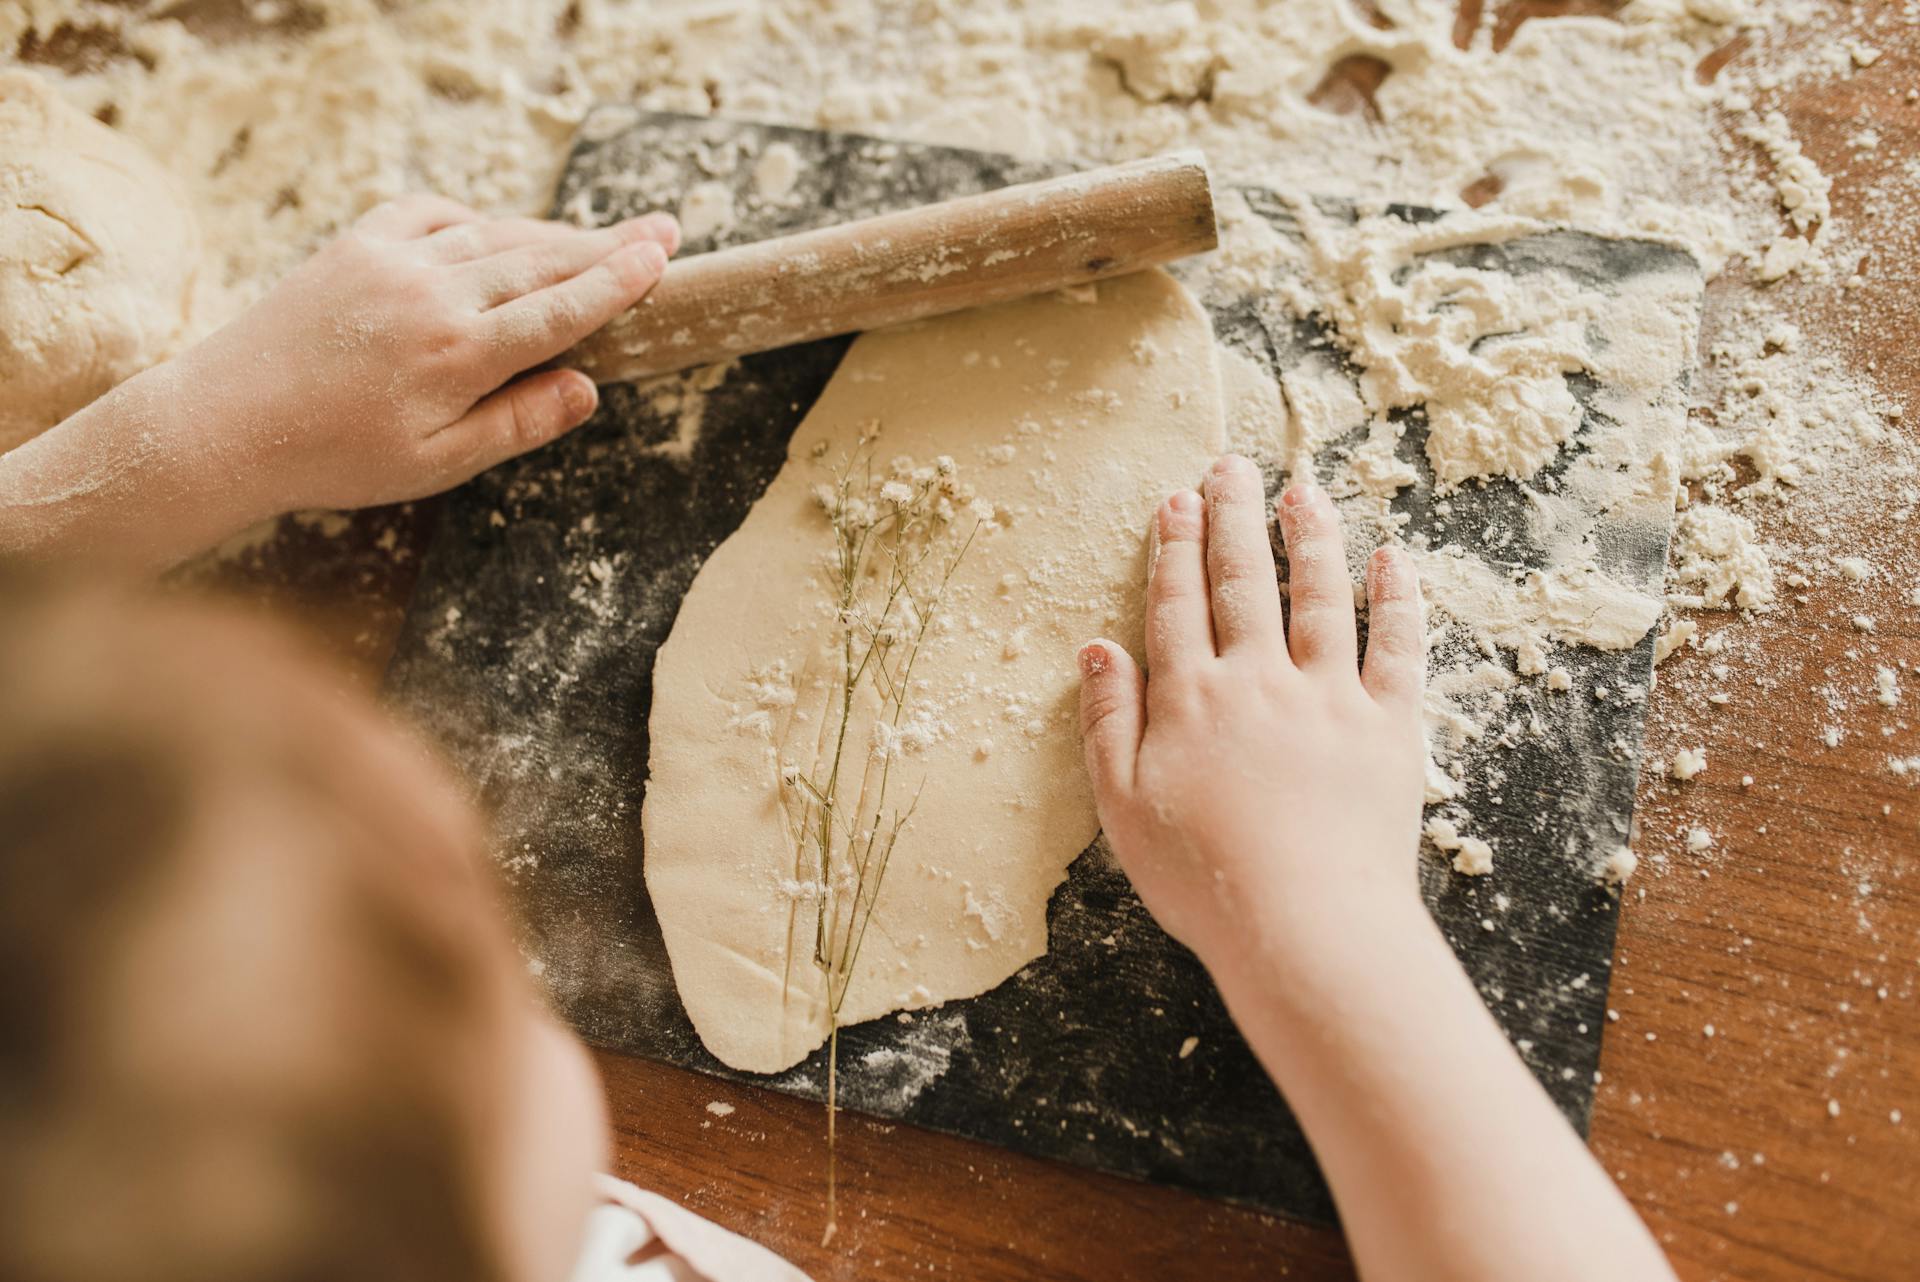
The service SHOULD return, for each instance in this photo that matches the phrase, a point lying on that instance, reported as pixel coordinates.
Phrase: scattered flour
(705, 211)
(1471, 856)
(682, 397)
(776, 172)
(1619, 866)
(1486, 359)
(1688, 763)
(1717, 556)
(283, 122)
(1677, 635)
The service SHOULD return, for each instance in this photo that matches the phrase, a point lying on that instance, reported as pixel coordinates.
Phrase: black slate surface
(553, 579)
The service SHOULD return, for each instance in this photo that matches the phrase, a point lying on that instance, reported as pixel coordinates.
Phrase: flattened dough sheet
(1073, 414)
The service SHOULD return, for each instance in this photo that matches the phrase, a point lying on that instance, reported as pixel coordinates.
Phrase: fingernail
(667, 228)
(1232, 463)
(579, 395)
(1093, 659)
(1184, 501)
(1390, 564)
(1300, 492)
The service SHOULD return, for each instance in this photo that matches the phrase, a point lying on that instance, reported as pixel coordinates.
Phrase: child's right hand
(383, 368)
(1260, 789)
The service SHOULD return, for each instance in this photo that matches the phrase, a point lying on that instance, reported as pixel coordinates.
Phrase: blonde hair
(243, 1034)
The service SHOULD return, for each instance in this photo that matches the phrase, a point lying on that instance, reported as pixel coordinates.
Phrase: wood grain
(1725, 1143)
(1798, 936)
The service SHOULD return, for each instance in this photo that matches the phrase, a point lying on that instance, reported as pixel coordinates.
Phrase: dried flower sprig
(899, 536)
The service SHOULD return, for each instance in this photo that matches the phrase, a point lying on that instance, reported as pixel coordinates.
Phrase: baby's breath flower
(891, 564)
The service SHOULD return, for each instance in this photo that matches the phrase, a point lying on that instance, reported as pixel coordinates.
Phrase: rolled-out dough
(1071, 415)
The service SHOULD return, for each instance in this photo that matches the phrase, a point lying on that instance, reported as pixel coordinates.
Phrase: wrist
(1326, 946)
(1331, 1014)
(222, 443)
(134, 480)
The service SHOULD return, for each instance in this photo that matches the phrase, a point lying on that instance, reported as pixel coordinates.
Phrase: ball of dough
(99, 253)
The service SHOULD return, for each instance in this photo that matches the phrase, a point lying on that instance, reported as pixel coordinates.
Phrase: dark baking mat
(553, 579)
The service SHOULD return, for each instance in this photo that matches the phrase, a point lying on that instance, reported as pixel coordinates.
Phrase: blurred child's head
(260, 1016)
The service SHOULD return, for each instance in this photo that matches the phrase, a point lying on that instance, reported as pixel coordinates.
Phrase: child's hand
(1263, 793)
(373, 373)
(379, 370)
(1259, 785)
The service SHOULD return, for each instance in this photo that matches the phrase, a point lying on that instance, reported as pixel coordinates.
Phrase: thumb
(525, 414)
(1112, 718)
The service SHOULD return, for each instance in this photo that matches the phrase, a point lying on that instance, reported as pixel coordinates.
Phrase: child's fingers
(523, 415)
(1396, 666)
(513, 273)
(410, 217)
(1240, 571)
(464, 242)
(490, 236)
(541, 325)
(1179, 623)
(1113, 716)
(1320, 631)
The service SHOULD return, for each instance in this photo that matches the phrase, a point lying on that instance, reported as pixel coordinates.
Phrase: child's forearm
(133, 482)
(1446, 1158)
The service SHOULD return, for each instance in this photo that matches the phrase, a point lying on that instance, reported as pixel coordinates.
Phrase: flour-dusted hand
(1256, 776)
(385, 367)
(1262, 788)
(390, 365)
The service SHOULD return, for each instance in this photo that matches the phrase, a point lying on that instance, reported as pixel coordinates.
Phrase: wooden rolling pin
(909, 265)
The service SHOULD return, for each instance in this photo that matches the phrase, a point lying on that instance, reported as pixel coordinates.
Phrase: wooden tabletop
(1772, 1148)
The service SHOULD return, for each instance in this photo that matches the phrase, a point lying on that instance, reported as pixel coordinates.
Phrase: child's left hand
(1244, 718)
(379, 369)
(389, 366)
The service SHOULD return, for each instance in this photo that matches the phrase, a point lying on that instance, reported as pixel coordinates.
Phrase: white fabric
(685, 1247)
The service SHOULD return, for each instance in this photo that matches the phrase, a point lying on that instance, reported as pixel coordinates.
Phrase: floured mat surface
(529, 645)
